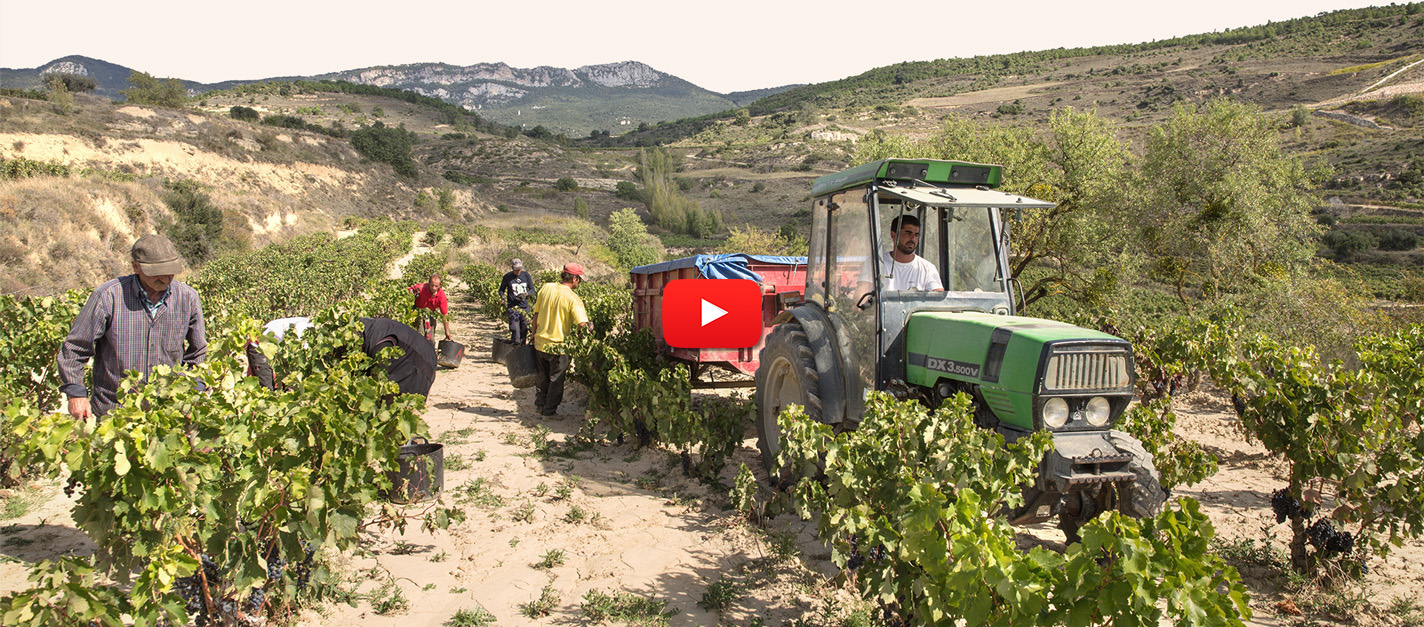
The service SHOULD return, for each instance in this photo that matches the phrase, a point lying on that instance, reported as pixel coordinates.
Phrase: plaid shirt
(117, 328)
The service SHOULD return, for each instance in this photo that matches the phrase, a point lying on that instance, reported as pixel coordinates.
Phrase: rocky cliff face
(65, 67)
(475, 86)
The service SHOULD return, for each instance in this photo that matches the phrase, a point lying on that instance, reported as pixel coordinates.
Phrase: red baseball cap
(574, 269)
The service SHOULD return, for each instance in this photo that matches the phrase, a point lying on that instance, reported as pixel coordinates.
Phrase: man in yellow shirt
(557, 309)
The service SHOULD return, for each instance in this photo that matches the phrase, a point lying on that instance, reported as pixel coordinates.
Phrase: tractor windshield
(934, 249)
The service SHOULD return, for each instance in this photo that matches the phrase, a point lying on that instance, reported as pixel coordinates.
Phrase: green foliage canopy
(144, 89)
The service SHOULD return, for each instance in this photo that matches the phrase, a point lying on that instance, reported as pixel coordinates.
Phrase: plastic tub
(421, 474)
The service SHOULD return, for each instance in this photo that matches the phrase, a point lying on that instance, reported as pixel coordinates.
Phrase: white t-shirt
(919, 274)
(279, 326)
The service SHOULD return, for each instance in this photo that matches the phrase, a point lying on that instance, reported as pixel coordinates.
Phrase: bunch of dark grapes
(877, 552)
(1323, 536)
(275, 563)
(254, 602)
(190, 589)
(301, 571)
(1285, 505)
(855, 560)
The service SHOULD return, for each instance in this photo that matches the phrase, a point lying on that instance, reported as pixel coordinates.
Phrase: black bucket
(449, 353)
(523, 371)
(500, 349)
(421, 474)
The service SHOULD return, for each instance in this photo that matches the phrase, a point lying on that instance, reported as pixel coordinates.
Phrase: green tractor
(908, 291)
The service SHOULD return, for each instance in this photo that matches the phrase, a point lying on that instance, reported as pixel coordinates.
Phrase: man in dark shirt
(515, 288)
(134, 322)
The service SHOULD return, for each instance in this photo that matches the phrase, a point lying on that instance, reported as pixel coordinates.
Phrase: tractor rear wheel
(787, 376)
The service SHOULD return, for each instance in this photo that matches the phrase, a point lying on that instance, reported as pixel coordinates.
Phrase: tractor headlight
(1098, 411)
(1055, 413)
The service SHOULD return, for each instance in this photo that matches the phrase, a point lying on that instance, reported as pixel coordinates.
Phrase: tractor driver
(900, 268)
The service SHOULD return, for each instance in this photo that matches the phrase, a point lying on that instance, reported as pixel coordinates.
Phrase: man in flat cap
(134, 322)
(515, 288)
(557, 310)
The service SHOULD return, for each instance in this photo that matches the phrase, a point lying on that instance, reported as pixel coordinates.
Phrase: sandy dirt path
(643, 527)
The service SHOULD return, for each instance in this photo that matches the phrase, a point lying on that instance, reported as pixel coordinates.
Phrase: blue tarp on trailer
(728, 266)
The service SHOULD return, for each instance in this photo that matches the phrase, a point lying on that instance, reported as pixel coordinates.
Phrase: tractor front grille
(1096, 370)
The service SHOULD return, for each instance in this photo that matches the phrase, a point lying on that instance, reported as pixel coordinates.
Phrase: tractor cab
(895, 237)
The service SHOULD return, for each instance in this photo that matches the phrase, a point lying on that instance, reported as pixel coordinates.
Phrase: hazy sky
(722, 45)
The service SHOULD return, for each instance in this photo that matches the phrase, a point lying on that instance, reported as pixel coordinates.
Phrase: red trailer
(782, 279)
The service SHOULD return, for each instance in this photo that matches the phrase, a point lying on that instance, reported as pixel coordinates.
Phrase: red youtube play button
(712, 313)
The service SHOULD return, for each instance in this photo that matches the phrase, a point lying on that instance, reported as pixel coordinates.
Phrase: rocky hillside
(614, 97)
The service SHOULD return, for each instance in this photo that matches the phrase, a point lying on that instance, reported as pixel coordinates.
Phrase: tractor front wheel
(1144, 497)
(787, 376)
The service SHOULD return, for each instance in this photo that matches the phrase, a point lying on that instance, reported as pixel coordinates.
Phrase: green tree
(581, 207)
(566, 184)
(1221, 206)
(59, 97)
(668, 207)
(742, 117)
(581, 233)
(74, 83)
(445, 199)
(1080, 246)
(144, 89)
(629, 240)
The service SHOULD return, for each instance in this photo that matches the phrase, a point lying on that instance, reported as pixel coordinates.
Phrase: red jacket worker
(430, 297)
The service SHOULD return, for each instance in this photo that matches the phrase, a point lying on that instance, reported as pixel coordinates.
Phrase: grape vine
(908, 504)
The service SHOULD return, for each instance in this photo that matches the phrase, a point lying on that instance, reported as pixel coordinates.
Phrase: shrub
(296, 123)
(1347, 244)
(247, 114)
(581, 208)
(197, 224)
(385, 144)
(1300, 116)
(627, 190)
(754, 241)
(1398, 239)
(566, 184)
(459, 235)
(22, 168)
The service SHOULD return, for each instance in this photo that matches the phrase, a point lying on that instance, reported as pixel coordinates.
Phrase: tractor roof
(922, 170)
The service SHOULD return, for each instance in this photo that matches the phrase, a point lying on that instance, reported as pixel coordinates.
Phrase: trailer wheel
(1144, 497)
(787, 376)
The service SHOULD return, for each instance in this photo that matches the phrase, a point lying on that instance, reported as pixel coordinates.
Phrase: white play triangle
(711, 312)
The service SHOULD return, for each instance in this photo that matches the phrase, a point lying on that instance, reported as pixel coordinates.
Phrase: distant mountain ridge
(614, 97)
